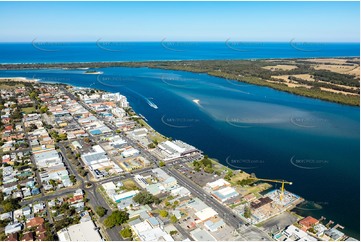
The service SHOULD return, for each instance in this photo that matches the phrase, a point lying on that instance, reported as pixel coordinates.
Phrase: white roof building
(130, 152)
(13, 228)
(202, 235)
(205, 214)
(175, 149)
(47, 158)
(226, 193)
(294, 233)
(218, 184)
(84, 231)
(146, 232)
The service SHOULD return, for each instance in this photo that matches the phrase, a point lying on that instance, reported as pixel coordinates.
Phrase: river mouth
(314, 144)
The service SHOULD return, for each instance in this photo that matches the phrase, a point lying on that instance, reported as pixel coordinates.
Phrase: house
(26, 192)
(41, 232)
(13, 228)
(18, 214)
(6, 216)
(29, 236)
(334, 234)
(307, 223)
(35, 222)
(38, 207)
(294, 233)
(13, 237)
(26, 211)
(75, 199)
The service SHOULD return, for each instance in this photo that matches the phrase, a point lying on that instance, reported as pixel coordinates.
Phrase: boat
(143, 117)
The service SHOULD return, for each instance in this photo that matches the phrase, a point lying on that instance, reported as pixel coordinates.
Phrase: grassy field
(129, 185)
(28, 110)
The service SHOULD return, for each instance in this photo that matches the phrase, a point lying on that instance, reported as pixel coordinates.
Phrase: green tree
(10, 204)
(162, 163)
(247, 212)
(72, 179)
(33, 95)
(206, 162)
(100, 211)
(163, 213)
(63, 136)
(173, 232)
(126, 233)
(145, 198)
(173, 219)
(43, 109)
(208, 169)
(53, 182)
(229, 175)
(116, 218)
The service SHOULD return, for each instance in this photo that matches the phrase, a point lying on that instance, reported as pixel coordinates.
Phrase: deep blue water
(44, 52)
(313, 143)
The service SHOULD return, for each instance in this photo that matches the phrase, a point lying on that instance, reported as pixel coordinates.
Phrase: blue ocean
(46, 52)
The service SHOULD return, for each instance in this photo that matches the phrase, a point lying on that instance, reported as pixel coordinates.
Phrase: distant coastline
(331, 90)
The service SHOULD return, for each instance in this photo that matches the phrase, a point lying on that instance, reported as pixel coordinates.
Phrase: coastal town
(81, 164)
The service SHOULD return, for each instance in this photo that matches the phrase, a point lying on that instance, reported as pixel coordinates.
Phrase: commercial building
(130, 152)
(84, 231)
(98, 162)
(47, 158)
(225, 194)
(202, 235)
(218, 184)
(170, 150)
(205, 214)
(213, 226)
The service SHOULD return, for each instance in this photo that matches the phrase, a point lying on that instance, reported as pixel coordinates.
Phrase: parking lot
(200, 178)
(279, 222)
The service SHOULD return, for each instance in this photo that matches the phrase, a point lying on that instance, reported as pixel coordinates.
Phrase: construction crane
(283, 182)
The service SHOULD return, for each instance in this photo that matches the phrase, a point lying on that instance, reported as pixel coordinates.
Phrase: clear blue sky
(194, 21)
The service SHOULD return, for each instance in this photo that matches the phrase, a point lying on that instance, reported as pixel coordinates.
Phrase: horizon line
(163, 40)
